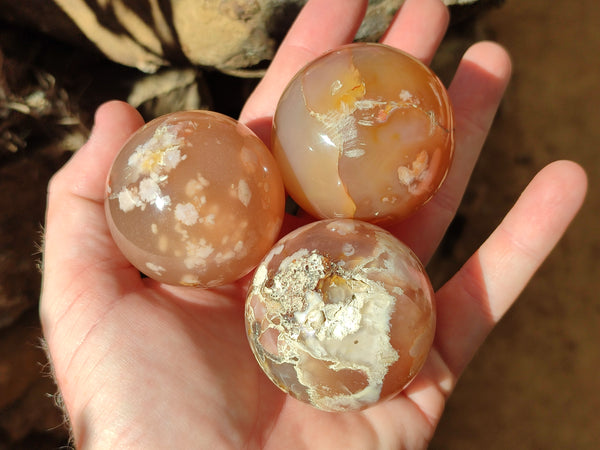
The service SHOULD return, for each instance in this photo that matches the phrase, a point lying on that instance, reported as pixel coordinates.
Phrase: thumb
(80, 258)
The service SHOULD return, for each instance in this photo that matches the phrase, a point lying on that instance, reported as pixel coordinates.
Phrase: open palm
(141, 364)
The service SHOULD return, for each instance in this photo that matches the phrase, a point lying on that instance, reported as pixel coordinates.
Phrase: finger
(475, 93)
(85, 173)
(77, 243)
(320, 26)
(473, 301)
(418, 28)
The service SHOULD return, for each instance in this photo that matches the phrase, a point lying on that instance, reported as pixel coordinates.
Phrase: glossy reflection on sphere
(194, 198)
(340, 314)
(365, 132)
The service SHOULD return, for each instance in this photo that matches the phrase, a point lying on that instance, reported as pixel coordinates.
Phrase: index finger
(320, 26)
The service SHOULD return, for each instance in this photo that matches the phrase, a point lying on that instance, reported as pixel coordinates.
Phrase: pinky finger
(475, 299)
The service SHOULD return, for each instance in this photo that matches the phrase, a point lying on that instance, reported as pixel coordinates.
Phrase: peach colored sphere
(194, 198)
(364, 132)
(340, 314)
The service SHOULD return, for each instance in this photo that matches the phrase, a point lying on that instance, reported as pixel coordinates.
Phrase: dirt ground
(534, 383)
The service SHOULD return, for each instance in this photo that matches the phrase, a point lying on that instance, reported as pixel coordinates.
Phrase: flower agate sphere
(340, 314)
(194, 198)
(365, 132)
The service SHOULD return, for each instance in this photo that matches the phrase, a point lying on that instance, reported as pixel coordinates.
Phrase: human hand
(140, 364)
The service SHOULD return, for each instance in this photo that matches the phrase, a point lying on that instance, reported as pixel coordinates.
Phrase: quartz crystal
(340, 314)
(194, 198)
(365, 132)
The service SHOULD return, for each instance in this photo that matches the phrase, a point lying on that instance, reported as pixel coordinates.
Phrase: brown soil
(534, 384)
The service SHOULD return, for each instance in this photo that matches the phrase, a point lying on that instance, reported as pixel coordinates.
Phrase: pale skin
(144, 365)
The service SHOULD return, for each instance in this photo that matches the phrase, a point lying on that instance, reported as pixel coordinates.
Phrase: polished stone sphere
(364, 131)
(340, 314)
(194, 198)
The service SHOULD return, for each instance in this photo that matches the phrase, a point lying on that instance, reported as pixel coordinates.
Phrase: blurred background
(534, 383)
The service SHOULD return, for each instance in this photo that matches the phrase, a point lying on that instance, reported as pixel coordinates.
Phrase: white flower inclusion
(149, 166)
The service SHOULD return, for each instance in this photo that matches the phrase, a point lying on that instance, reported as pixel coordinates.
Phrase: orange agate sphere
(365, 132)
(194, 198)
(340, 314)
